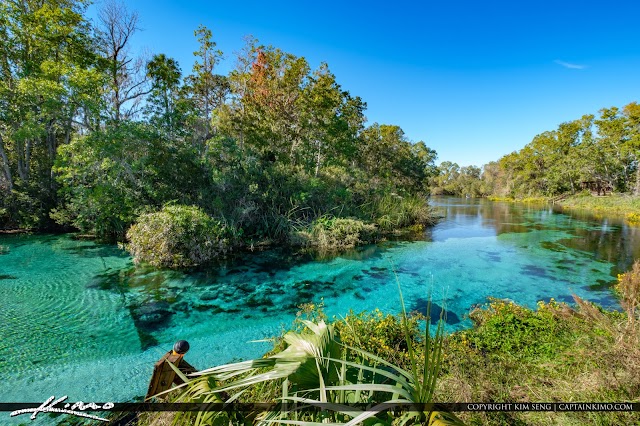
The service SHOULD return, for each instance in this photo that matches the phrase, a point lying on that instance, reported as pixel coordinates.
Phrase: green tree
(331, 120)
(113, 175)
(206, 90)
(166, 107)
(631, 149)
(49, 88)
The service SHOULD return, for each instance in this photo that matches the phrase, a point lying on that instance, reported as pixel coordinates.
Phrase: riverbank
(615, 204)
(555, 353)
(518, 200)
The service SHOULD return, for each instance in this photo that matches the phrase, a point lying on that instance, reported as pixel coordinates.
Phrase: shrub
(633, 218)
(507, 328)
(381, 334)
(329, 233)
(178, 237)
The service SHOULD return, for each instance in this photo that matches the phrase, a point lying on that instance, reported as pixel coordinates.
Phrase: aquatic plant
(628, 288)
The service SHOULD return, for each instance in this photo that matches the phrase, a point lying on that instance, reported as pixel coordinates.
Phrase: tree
(49, 75)
(612, 160)
(265, 115)
(163, 105)
(127, 82)
(632, 146)
(113, 175)
(390, 160)
(331, 120)
(207, 90)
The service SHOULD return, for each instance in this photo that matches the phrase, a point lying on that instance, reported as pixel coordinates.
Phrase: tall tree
(331, 121)
(127, 83)
(163, 105)
(632, 146)
(207, 90)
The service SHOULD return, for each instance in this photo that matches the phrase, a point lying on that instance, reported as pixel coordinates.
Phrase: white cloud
(570, 66)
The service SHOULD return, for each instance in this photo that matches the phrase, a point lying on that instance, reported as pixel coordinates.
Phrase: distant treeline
(93, 136)
(600, 152)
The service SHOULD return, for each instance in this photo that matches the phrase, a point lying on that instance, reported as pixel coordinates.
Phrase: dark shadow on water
(601, 285)
(7, 277)
(561, 298)
(92, 250)
(550, 245)
(149, 318)
(536, 271)
(420, 306)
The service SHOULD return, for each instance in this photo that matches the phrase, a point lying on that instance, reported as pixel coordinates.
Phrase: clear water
(79, 319)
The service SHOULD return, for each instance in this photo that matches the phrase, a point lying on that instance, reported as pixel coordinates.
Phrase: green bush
(178, 237)
(331, 233)
(507, 328)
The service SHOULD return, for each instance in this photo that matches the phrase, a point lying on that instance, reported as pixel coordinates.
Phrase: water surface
(79, 319)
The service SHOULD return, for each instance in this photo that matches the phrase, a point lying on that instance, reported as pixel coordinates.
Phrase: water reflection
(609, 239)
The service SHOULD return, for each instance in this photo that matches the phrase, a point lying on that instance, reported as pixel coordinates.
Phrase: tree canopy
(93, 135)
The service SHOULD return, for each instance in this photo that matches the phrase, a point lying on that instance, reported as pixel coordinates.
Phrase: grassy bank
(556, 353)
(518, 200)
(617, 204)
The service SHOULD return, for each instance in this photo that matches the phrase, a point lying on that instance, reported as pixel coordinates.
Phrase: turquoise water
(79, 319)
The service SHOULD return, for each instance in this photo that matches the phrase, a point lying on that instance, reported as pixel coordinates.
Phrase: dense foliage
(329, 233)
(177, 237)
(604, 150)
(92, 136)
(600, 154)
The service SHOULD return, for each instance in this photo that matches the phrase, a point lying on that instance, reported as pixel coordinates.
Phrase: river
(79, 319)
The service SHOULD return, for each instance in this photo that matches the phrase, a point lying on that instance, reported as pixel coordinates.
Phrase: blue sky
(473, 79)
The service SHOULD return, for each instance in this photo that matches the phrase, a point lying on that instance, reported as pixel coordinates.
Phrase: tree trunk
(318, 158)
(27, 160)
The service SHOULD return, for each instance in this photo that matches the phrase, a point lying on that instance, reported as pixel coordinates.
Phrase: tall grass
(392, 212)
(329, 234)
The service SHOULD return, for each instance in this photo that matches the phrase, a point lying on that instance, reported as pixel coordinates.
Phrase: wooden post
(163, 375)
